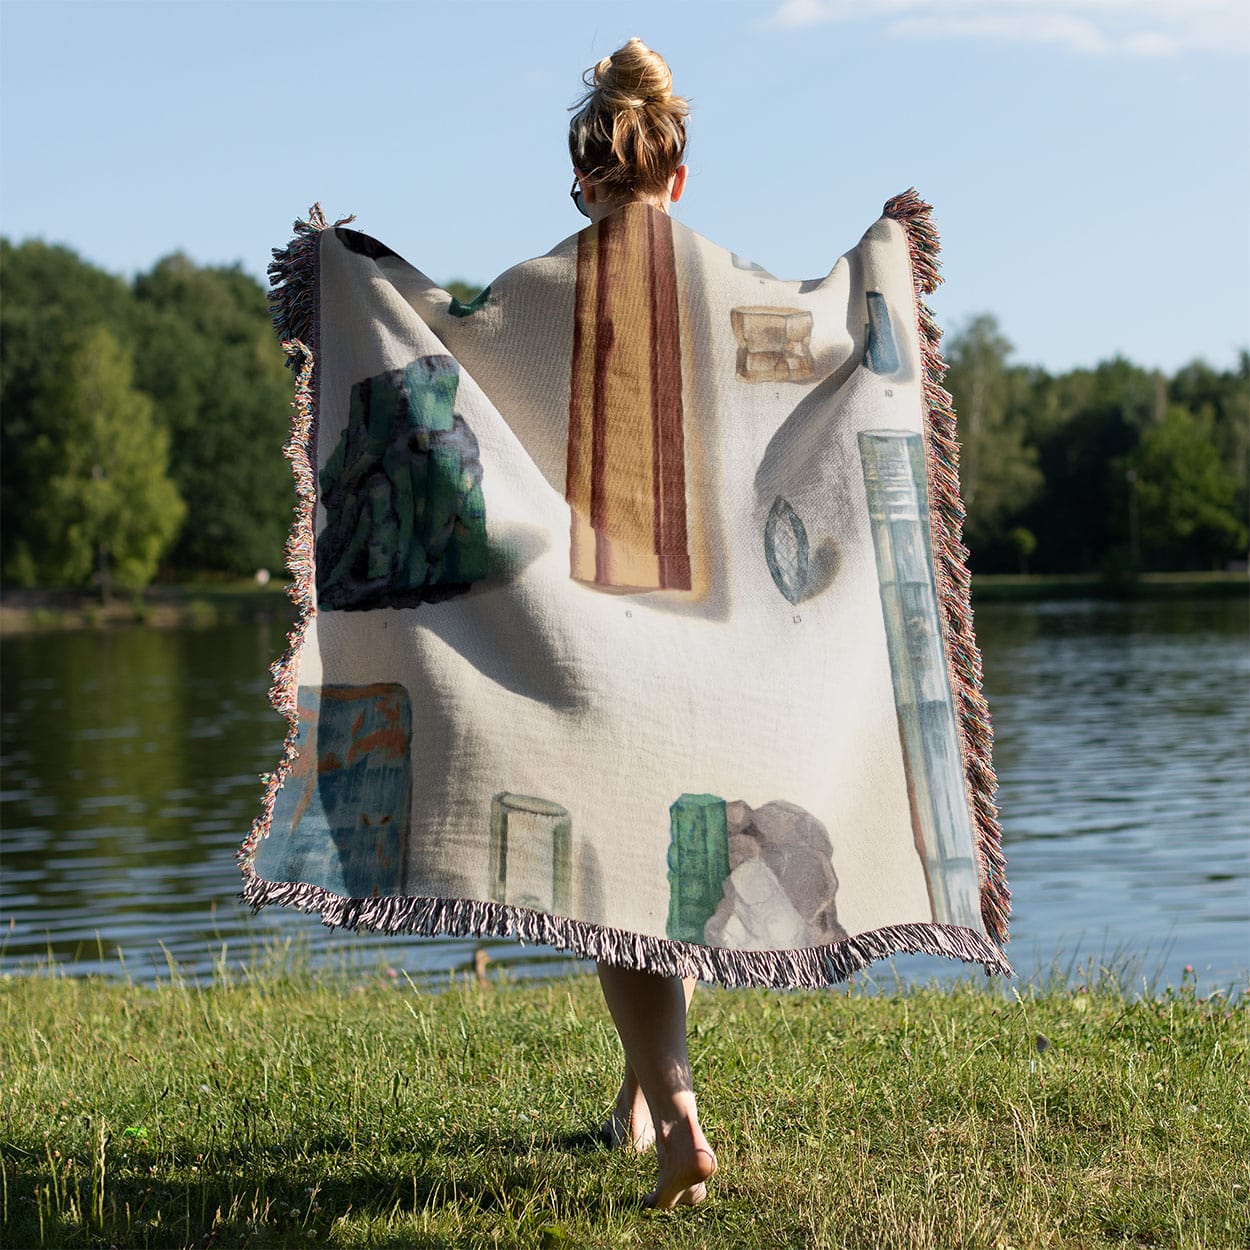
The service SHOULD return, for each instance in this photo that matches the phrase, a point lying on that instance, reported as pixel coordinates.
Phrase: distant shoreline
(215, 603)
(192, 604)
(1004, 587)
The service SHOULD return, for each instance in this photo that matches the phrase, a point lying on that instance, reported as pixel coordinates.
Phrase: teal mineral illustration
(463, 308)
(898, 509)
(698, 863)
(402, 491)
(880, 347)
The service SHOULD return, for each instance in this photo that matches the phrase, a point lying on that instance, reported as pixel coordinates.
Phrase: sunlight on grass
(277, 1106)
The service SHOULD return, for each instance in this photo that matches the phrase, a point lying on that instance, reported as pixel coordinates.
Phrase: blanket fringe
(293, 282)
(293, 304)
(954, 582)
(804, 968)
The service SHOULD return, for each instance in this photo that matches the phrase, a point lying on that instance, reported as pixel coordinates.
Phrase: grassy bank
(191, 603)
(284, 1110)
(1000, 587)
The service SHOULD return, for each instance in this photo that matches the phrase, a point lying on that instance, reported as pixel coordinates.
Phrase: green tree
(1222, 398)
(997, 467)
(51, 299)
(1185, 495)
(105, 504)
(1023, 542)
(464, 291)
(1086, 423)
(208, 357)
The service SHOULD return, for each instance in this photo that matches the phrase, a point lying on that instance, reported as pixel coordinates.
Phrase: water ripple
(1121, 734)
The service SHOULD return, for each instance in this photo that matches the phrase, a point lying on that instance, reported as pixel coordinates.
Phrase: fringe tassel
(954, 583)
(293, 282)
(807, 968)
(293, 303)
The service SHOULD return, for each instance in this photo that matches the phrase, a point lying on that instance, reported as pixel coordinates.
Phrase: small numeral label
(797, 618)
(889, 393)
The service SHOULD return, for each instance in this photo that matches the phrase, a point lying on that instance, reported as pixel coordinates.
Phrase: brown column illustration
(626, 481)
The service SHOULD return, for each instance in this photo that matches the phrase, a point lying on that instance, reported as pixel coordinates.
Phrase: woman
(643, 559)
(627, 141)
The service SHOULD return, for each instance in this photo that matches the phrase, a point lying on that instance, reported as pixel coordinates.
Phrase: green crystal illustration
(531, 853)
(402, 492)
(698, 863)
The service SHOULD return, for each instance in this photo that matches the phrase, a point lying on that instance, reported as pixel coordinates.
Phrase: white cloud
(1138, 28)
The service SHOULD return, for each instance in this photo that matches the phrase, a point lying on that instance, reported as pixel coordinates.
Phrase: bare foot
(686, 1165)
(629, 1125)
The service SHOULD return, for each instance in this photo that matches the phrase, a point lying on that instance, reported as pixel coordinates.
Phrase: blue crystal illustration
(340, 820)
(786, 550)
(898, 509)
(881, 350)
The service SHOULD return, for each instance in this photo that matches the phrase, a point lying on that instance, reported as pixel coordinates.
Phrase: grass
(287, 1108)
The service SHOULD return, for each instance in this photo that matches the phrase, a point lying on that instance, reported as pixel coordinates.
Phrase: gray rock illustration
(755, 913)
(794, 847)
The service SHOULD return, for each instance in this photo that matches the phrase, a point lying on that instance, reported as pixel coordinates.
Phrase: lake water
(130, 762)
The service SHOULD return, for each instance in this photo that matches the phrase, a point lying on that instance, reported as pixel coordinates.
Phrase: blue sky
(1088, 160)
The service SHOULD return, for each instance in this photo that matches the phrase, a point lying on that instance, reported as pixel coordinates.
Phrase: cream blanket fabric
(634, 617)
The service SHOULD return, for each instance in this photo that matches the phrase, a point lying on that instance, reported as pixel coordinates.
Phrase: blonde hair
(629, 133)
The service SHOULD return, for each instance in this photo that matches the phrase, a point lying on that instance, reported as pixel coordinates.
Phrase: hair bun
(629, 131)
(633, 77)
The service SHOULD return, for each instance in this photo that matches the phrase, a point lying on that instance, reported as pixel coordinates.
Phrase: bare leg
(629, 1124)
(650, 1015)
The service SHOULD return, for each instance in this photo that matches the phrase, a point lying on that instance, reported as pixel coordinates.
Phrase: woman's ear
(678, 185)
(588, 186)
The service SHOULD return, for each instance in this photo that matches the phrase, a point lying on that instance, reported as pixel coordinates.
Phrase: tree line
(142, 423)
(1113, 470)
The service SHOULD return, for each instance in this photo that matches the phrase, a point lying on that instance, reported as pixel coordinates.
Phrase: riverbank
(213, 603)
(286, 1110)
(1004, 587)
(169, 606)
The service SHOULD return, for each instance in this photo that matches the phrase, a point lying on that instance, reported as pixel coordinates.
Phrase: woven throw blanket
(634, 618)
